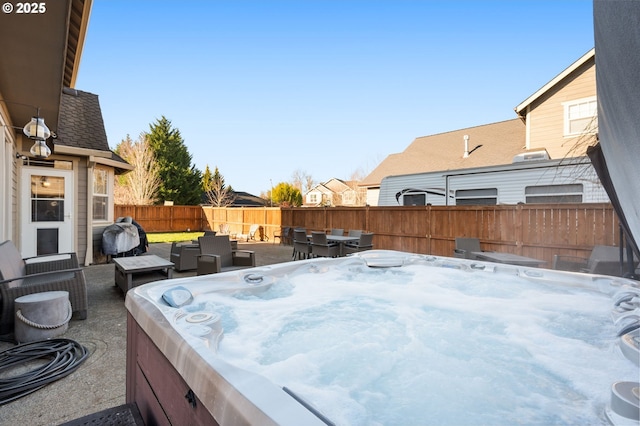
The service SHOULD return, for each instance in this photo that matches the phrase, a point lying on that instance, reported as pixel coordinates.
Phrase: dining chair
(301, 245)
(364, 243)
(337, 231)
(320, 247)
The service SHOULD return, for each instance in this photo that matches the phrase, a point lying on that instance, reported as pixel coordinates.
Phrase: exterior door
(47, 211)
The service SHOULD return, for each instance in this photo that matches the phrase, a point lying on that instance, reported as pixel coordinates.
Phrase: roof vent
(531, 156)
(466, 146)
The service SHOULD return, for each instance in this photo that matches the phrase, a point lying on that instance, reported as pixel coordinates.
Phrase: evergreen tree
(180, 181)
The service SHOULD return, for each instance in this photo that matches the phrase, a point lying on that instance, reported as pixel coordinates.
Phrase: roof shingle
(489, 145)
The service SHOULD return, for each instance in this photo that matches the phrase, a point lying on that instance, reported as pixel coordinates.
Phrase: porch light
(40, 149)
(37, 130)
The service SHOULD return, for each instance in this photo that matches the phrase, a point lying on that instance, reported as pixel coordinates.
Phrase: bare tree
(302, 180)
(218, 194)
(139, 186)
(360, 193)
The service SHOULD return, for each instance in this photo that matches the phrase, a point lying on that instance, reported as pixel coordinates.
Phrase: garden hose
(64, 356)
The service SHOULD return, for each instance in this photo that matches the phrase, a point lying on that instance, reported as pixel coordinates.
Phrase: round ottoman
(41, 316)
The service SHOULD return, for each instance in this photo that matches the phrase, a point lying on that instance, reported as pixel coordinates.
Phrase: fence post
(519, 228)
(428, 234)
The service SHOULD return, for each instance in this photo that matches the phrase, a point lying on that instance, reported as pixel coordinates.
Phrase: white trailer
(526, 181)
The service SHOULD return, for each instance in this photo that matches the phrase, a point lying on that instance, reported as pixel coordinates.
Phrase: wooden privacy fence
(534, 230)
(164, 218)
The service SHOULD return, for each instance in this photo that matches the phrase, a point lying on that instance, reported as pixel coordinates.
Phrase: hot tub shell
(173, 383)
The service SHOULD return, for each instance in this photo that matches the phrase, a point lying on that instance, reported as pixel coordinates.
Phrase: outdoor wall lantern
(36, 130)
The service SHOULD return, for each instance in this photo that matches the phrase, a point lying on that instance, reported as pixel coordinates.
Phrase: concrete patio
(99, 383)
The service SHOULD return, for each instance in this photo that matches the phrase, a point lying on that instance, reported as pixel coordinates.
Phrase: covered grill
(124, 238)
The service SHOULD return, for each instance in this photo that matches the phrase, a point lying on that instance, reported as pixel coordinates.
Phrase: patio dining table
(340, 239)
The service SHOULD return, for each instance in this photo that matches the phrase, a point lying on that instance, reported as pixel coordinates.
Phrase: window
(544, 194)
(348, 197)
(414, 200)
(580, 116)
(313, 198)
(483, 197)
(47, 198)
(100, 194)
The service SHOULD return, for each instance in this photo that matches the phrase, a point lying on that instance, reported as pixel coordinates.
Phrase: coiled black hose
(64, 356)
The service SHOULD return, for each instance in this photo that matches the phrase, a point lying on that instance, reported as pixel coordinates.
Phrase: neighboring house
(334, 192)
(244, 199)
(59, 202)
(556, 122)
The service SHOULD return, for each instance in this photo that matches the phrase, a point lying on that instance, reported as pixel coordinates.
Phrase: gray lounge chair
(465, 247)
(603, 260)
(216, 255)
(56, 272)
(185, 256)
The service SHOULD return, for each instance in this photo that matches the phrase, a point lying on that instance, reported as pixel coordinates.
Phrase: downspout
(88, 258)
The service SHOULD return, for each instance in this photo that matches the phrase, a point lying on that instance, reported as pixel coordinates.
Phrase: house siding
(81, 208)
(546, 116)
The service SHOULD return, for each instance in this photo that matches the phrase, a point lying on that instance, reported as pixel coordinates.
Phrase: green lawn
(170, 237)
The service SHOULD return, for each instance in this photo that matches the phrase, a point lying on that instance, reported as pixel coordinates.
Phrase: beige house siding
(81, 208)
(546, 115)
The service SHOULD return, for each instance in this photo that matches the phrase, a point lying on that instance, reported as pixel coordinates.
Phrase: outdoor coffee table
(512, 259)
(126, 267)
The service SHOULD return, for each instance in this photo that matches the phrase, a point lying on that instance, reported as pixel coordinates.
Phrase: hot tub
(382, 337)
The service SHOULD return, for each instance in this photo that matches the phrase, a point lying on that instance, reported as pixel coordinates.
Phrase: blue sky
(261, 89)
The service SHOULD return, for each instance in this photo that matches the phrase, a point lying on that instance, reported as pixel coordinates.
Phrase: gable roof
(521, 109)
(332, 186)
(81, 130)
(489, 145)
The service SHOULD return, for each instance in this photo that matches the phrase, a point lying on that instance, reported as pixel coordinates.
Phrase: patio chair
(337, 231)
(604, 260)
(301, 245)
(185, 255)
(55, 272)
(253, 230)
(320, 247)
(465, 247)
(216, 255)
(283, 235)
(364, 243)
(354, 232)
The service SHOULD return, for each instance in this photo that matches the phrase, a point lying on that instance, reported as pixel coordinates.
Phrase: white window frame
(585, 109)
(313, 198)
(108, 196)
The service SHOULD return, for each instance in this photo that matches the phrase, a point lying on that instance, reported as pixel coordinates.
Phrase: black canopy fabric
(617, 43)
(600, 165)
